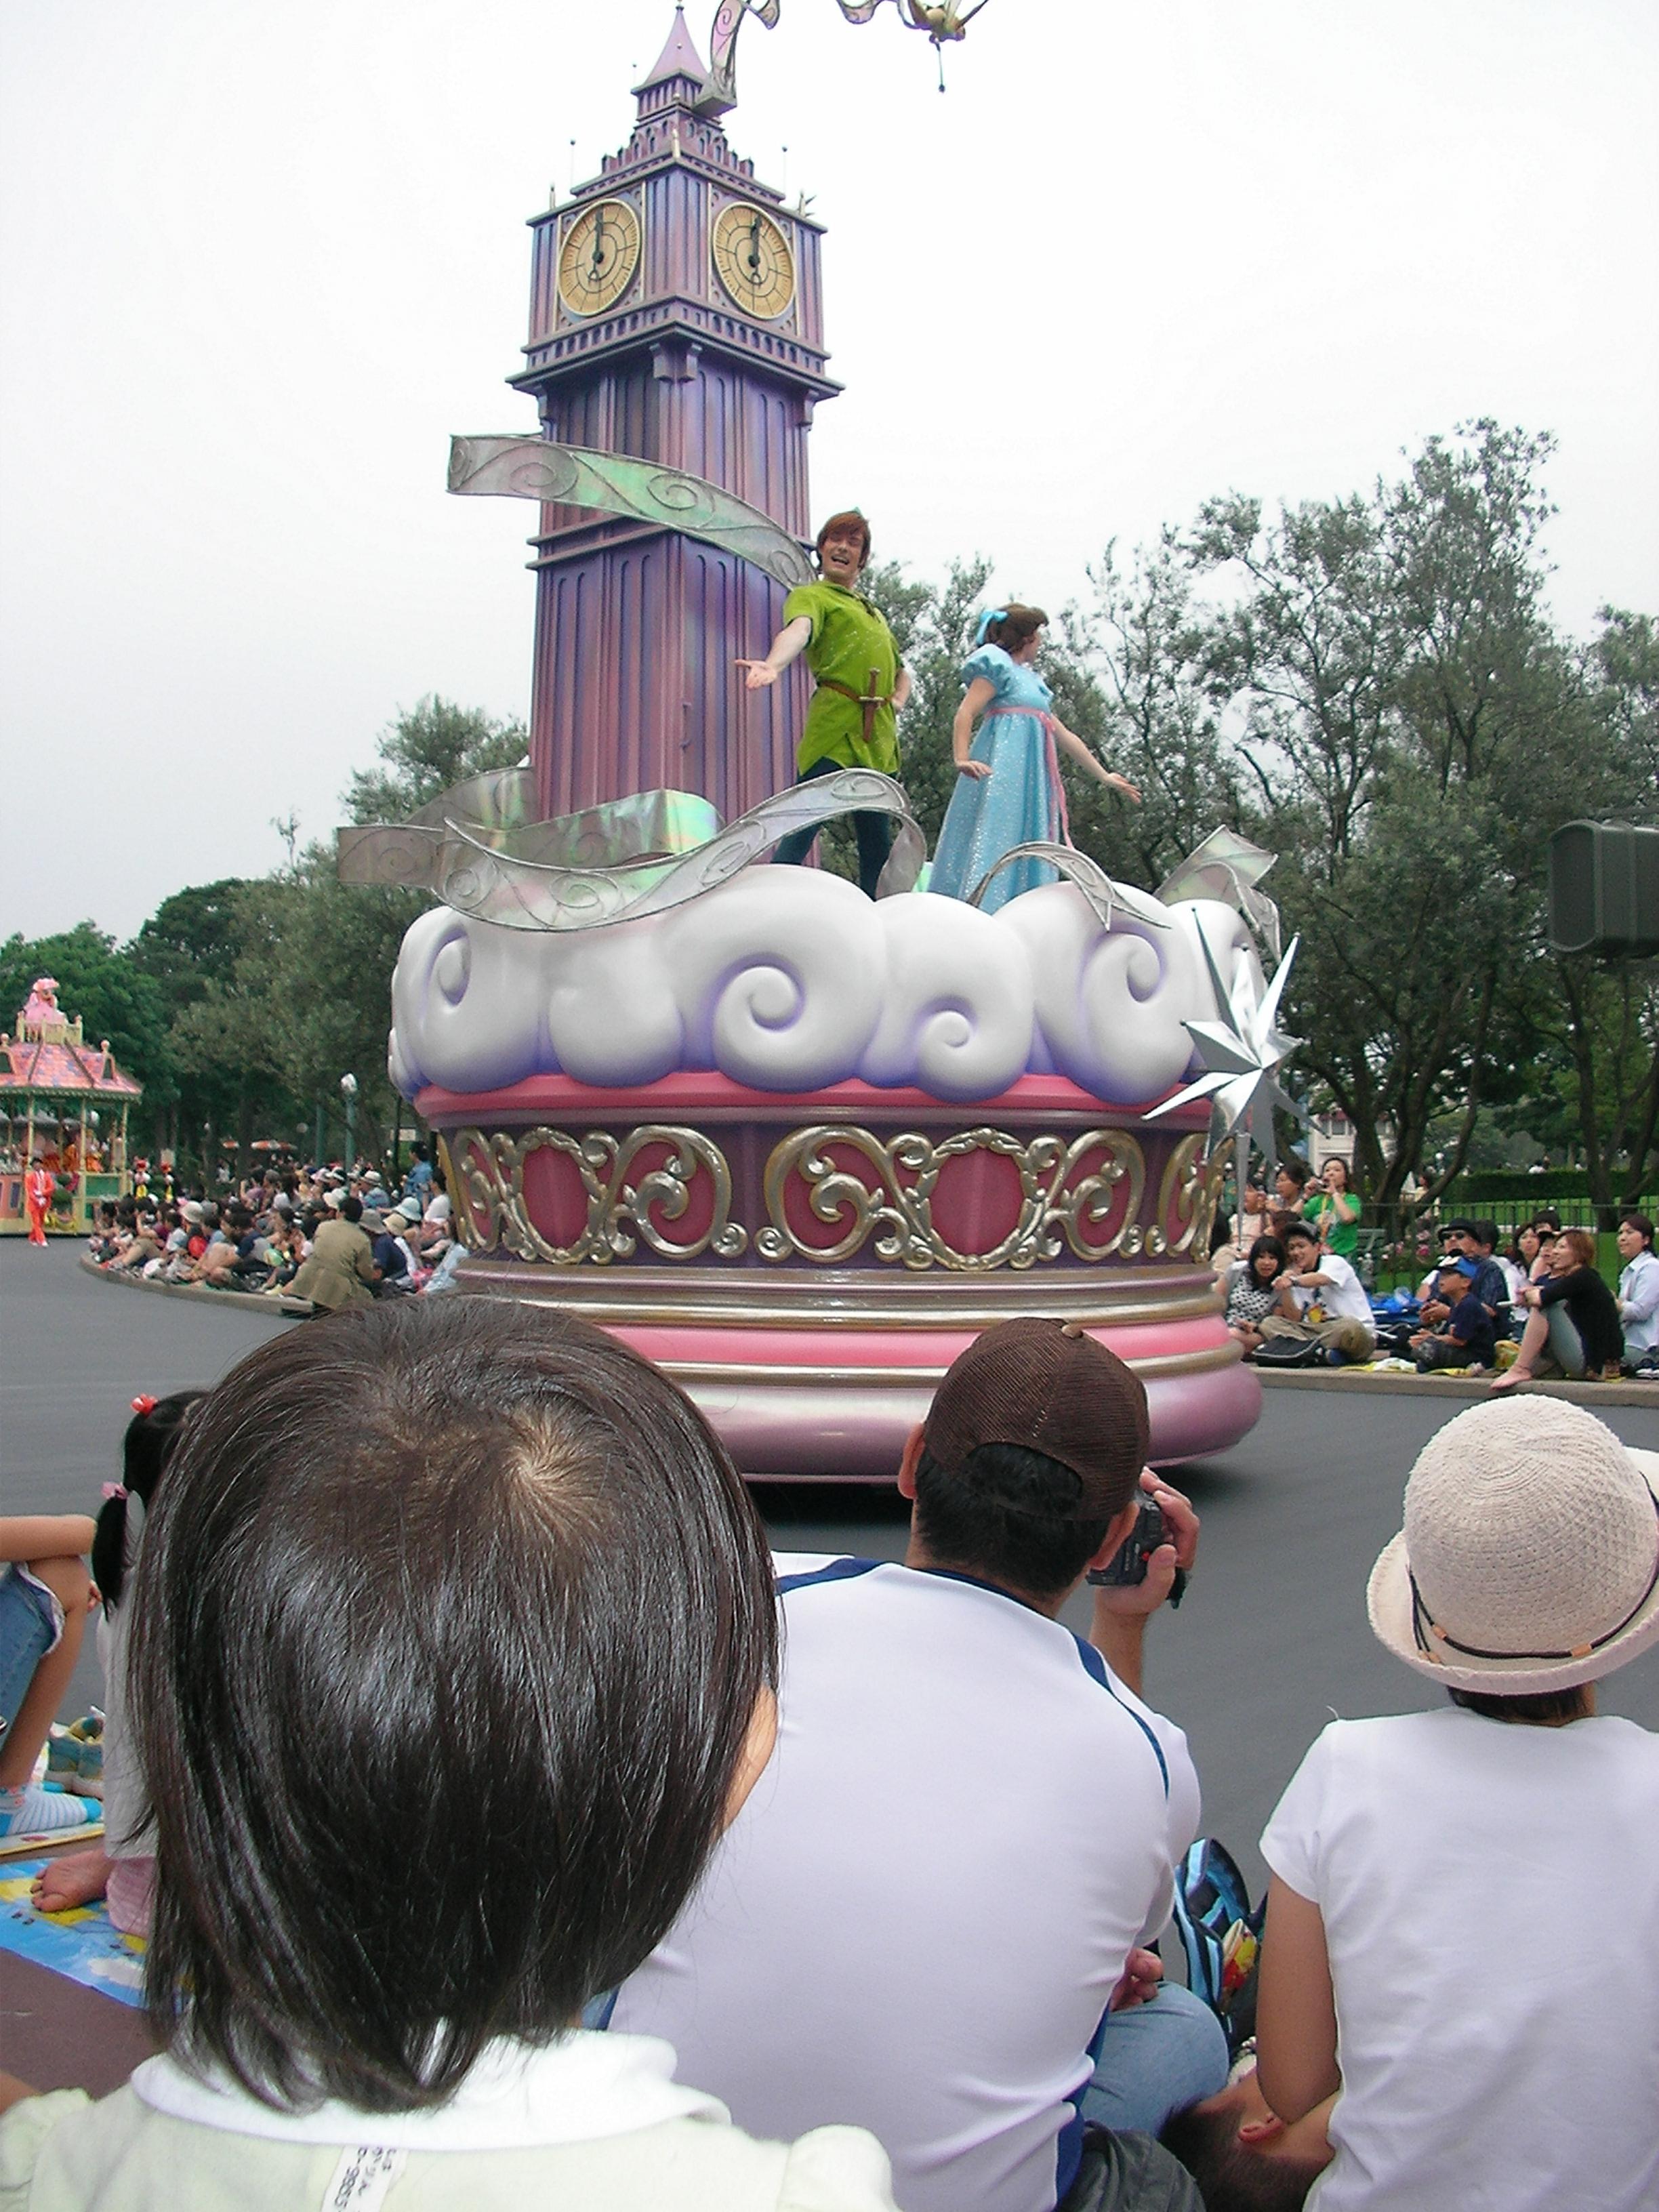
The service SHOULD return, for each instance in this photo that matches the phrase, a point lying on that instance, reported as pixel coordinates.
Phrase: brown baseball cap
(1051, 1386)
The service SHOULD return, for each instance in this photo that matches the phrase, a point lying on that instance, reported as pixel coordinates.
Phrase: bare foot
(1510, 1376)
(76, 1879)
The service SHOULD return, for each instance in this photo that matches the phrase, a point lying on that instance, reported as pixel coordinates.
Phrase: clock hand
(598, 262)
(754, 251)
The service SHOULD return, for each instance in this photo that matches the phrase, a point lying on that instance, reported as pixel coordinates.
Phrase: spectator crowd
(1285, 1265)
(331, 1234)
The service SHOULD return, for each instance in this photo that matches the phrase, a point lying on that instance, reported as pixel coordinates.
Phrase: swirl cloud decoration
(790, 980)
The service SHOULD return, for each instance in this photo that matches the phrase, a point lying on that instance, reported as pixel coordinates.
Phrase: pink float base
(858, 1434)
(819, 1371)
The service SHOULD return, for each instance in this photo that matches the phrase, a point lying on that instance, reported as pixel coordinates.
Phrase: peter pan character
(861, 683)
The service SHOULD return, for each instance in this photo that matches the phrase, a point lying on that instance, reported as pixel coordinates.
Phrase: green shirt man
(861, 682)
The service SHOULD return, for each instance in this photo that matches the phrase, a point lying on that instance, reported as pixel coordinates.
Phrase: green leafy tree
(423, 750)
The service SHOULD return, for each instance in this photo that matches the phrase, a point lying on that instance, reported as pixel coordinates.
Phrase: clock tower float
(675, 316)
(796, 1145)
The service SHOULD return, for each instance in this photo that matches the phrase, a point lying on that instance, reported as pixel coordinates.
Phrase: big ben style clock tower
(676, 316)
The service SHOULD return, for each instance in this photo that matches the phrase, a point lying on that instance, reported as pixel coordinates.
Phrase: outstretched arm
(789, 645)
(974, 700)
(1071, 743)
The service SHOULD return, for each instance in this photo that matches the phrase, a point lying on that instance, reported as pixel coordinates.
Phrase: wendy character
(1008, 790)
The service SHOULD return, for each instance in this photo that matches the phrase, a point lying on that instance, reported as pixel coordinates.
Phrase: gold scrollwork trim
(620, 1215)
(896, 1207)
(1187, 1199)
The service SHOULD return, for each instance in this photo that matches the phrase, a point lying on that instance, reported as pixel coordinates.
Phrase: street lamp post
(348, 1092)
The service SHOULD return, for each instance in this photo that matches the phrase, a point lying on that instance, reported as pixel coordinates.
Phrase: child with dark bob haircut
(454, 1654)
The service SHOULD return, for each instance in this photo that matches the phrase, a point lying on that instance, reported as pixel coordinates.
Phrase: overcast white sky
(260, 258)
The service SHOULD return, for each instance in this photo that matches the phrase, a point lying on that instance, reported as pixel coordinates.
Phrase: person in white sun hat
(1462, 1933)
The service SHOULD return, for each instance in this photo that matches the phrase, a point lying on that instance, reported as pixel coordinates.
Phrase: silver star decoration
(1243, 1054)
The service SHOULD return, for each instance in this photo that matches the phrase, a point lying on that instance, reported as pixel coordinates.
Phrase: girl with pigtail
(123, 1868)
(1008, 789)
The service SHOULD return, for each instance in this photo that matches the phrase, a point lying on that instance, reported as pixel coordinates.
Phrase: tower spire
(678, 78)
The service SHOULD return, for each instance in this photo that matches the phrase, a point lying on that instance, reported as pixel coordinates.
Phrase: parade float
(795, 1145)
(65, 1105)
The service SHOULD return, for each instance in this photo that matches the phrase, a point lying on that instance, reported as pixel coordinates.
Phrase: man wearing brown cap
(924, 1918)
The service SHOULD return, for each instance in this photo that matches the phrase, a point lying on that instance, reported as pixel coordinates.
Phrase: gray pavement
(1271, 1641)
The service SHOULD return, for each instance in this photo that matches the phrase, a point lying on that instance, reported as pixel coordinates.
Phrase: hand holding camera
(1154, 1560)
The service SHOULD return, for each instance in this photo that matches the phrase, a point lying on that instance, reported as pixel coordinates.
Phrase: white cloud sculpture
(789, 980)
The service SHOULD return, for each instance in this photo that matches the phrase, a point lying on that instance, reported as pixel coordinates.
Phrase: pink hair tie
(115, 1490)
(143, 1405)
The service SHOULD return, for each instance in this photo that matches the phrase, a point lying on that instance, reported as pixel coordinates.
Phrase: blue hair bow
(990, 615)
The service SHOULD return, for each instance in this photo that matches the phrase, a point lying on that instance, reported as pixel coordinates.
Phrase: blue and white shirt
(916, 1922)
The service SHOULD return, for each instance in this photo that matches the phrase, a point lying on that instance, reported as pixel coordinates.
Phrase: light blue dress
(1018, 802)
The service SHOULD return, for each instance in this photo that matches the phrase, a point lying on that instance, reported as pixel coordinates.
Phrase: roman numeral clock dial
(598, 256)
(753, 261)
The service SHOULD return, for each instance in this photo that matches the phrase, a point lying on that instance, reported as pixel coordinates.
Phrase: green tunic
(848, 639)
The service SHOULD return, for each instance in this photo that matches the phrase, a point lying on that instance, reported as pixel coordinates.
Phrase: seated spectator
(1247, 1223)
(1572, 1315)
(443, 1277)
(1428, 1290)
(1466, 1337)
(1289, 1180)
(936, 1901)
(45, 1596)
(1443, 1881)
(1253, 1292)
(341, 1269)
(392, 1258)
(123, 1865)
(1478, 1241)
(485, 1497)
(1322, 1300)
(287, 1252)
(1242, 2154)
(1639, 1290)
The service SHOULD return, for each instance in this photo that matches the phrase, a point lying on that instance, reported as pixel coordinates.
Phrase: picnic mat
(80, 1943)
(35, 1840)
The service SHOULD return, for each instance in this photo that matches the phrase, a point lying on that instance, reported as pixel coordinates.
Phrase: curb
(1471, 1388)
(239, 1301)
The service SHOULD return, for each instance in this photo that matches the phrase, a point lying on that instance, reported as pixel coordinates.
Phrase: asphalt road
(1271, 1641)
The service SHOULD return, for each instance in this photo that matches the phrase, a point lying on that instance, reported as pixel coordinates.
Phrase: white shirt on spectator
(1342, 1296)
(1639, 1303)
(1492, 1922)
(918, 1919)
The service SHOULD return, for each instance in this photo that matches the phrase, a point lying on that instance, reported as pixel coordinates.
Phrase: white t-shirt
(916, 1923)
(1342, 1296)
(1639, 1303)
(1492, 1913)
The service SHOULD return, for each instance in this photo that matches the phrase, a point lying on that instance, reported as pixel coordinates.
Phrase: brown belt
(873, 699)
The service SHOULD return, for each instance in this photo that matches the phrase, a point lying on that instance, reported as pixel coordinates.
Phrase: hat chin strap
(1424, 1627)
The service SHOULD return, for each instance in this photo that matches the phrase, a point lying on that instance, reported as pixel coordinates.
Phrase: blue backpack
(1221, 1934)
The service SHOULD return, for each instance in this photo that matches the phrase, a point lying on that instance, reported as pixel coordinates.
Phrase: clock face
(598, 256)
(753, 261)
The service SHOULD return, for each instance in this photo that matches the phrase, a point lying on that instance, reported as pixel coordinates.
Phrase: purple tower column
(676, 314)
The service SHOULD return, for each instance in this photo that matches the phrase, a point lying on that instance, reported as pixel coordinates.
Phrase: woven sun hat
(1530, 1559)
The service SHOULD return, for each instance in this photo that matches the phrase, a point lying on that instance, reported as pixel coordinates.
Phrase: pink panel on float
(713, 1094)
